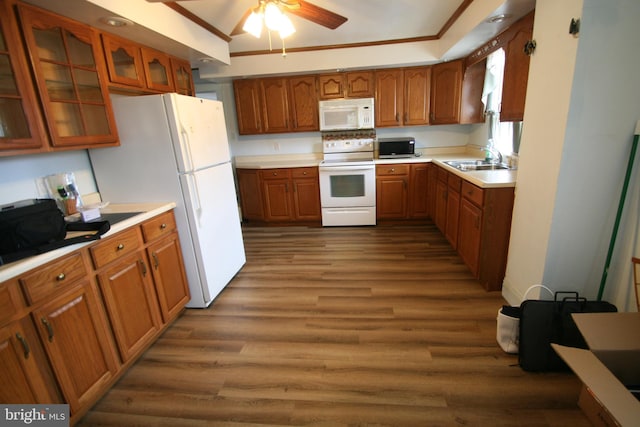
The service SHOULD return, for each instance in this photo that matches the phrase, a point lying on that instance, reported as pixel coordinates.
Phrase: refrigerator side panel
(143, 169)
(200, 131)
(215, 226)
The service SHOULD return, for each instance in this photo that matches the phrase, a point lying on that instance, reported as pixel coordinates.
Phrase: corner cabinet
(516, 70)
(70, 75)
(22, 129)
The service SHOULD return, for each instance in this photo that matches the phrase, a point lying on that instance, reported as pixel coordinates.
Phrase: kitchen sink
(475, 165)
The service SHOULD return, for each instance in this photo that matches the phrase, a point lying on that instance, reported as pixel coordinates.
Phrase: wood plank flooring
(340, 326)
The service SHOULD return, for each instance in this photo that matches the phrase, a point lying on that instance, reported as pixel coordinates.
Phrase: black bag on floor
(545, 322)
(35, 226)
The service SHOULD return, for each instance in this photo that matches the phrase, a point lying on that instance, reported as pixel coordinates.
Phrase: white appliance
(346, 114)
(175, 148)
(348, 178)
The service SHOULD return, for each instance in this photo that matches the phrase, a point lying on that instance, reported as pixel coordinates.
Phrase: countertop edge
(148, 210)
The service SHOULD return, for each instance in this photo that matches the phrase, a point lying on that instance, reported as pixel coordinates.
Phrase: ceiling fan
(300, 8)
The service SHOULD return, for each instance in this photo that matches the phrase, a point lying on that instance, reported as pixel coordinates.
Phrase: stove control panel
(348, 141)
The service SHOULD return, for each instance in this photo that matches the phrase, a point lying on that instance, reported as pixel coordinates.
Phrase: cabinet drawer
(304, 172)
(161, 225)
(383, 170)
(116, 247)
(454, 182)
(46, 280)
(11, 303)
(275, 173)
(472, 193)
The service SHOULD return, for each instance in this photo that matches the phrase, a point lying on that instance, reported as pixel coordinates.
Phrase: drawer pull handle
(25, 346)
(46, 323)
(60, 277)
(163, 226)
(120, 247)
(156, 261)
(304, 173)
(393, 170)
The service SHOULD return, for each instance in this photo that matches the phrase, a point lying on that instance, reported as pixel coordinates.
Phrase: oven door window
(347, 185)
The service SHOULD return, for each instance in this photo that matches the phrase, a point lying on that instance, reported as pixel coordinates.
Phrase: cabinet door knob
(120, 247)
(60, 277)
(393, 170)
(163, 226)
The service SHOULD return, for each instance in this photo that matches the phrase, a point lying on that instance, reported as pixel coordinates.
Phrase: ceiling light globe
(286, 27)
(253, 24)
(272, 17)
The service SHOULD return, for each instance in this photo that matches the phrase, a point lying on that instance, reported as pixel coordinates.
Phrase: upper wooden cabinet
(276, 105)
(471, 107)
(182, 76)
(157, 70)
(402, 96)
(21, 125)
(124, 61)
(303, 103)
(248, 106)
(446, 90)
(71, 78)
(516, 70)
(353, 84)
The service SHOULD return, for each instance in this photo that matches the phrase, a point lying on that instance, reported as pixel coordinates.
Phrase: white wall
(19, 174)
(583, 101)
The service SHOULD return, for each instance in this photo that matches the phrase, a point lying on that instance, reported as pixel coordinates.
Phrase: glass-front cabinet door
(21, 125)
(157, 69)
(182, 77)
(124, 61)
(71, 78)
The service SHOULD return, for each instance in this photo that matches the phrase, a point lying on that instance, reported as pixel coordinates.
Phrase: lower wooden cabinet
(131, 303)
(25, 374)
(167, 267)
(76, 337)
(477, 223)
(392, 189)
(71, 327)
(402, 191)
(285, 195)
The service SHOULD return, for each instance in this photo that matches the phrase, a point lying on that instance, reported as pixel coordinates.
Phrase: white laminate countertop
(147, 211)
(483, 179)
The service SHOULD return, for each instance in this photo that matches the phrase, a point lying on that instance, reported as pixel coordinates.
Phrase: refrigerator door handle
(192, 182)
(186, 148)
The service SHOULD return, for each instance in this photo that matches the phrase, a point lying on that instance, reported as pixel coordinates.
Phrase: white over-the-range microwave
(345, 114)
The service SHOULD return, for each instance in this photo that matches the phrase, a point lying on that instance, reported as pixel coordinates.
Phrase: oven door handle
(345, 168)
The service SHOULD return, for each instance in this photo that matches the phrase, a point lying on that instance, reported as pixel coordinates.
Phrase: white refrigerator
(175, 148)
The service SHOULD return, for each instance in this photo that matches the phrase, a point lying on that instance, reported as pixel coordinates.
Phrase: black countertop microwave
(393, 148)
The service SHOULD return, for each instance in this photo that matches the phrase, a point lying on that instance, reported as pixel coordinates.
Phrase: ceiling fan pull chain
(284, 51)
(269, 32)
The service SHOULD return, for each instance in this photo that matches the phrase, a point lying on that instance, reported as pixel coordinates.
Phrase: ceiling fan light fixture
(253, 24)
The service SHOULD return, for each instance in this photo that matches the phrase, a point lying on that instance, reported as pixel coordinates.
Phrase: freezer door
(214, 223)
(200, 134)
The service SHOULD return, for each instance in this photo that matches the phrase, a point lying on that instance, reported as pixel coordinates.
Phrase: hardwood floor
(340, 327)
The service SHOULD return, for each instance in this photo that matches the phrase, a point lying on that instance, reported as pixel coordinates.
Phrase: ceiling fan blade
(238, 28)
(318, 15)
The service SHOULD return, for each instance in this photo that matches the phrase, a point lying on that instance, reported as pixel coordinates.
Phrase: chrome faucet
(495, 154)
